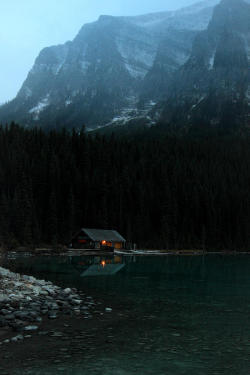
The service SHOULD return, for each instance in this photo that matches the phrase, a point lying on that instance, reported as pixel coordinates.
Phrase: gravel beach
(26, 302)
(43, 323)
(46, 329)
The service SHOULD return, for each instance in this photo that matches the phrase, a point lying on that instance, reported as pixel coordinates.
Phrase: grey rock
(28, 305)
(23, 315)
(52, 315)
(43, 333)
(33, 314)
(3, 297)
(30, 328)
(35, 306)
(84, 307)
(17, 325)
(57, 334)
(9, 317)
(53, 306)
(44, 292)
(75, 302)
(17, 338)
(5, 311)
(67, 291)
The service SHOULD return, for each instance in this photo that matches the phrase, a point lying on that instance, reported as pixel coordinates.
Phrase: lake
(171, 315)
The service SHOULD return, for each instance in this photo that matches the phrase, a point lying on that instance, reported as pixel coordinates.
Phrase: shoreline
(26, 303)
(43, 324)
(140, 252)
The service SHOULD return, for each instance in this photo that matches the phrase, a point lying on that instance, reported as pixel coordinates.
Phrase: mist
(28, 26)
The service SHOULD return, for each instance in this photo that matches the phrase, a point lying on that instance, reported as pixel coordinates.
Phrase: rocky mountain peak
(117, 68)
(231, 15)
(213, 86)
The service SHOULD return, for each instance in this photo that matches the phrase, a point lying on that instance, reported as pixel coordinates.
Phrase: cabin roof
(102, 234)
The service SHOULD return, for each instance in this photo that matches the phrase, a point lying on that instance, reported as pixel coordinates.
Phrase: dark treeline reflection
(158, 190)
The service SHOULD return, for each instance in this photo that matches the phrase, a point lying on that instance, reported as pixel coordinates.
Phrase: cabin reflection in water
(100, 266)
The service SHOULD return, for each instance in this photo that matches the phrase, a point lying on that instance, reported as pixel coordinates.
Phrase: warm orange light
(104, 242)
(117, 259)
(103, 263)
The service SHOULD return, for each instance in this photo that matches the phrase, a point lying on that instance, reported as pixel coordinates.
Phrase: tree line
(158, 189)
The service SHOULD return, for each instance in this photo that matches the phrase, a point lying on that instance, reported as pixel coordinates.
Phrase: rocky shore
(26, 301)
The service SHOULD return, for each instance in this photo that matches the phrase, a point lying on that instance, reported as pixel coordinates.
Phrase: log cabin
(98, 239)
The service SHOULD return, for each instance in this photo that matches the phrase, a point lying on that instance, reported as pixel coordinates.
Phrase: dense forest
(157, 189)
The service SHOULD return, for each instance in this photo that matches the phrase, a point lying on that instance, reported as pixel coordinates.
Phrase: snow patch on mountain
(40, 107)
(27, 92)
(135, 71)
(211, 61)
(56, 68)
(85, 66)
(131, 112)
(180, 57)
(138, 55)
(68, 102)
(199, 101)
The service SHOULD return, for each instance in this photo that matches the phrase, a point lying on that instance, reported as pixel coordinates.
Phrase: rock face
(195, 61)
(111, 66)
(213, 86)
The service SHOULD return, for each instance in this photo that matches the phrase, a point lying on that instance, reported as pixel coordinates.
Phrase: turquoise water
(172, 315)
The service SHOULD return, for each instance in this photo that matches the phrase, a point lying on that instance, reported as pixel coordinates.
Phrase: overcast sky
(27, 26)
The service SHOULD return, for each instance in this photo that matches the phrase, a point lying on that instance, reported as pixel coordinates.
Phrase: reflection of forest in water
(211, 271)
(172, 314)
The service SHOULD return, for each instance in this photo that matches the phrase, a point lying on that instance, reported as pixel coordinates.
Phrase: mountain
(115, 70)
(213, 86)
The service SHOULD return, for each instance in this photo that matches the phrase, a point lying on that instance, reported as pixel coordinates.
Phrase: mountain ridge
(95, 77)
(213, 86)
(117, 69)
